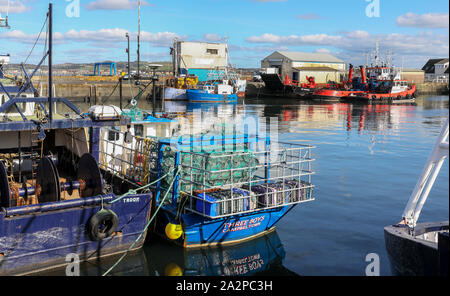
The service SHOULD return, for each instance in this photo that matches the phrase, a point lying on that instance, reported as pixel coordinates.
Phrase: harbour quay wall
(432, 88)
(92, 89)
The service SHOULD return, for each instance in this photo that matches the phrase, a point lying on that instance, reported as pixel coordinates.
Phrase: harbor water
(368, 160)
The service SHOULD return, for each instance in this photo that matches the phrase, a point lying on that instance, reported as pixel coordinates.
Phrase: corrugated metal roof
(443, 61)
(324, 69)
(429, 66)
(310, 57)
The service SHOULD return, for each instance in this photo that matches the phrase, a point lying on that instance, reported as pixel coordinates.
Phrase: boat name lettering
(242, 225)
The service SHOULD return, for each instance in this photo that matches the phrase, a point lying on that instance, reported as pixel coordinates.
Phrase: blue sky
(414, 30)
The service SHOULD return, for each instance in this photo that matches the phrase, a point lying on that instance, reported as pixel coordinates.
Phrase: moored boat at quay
(385, 84)
(231, 188)
(56, 202)
(353, 85)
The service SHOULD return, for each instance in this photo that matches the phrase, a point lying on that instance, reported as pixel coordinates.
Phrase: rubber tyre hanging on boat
(408, 96)
(374, 97)
(102, 225)
(399, 97)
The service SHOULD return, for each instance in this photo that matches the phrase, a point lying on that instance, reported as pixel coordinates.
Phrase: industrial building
(413, 75)
(199, 58)
(298, 65)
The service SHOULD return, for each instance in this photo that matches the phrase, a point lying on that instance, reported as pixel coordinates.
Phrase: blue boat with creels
(225, 189)
(58, 206)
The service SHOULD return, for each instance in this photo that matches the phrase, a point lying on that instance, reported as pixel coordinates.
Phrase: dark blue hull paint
(199, 231)
(32, 240)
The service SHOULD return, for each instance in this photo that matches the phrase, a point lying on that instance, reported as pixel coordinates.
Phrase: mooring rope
(149, 222)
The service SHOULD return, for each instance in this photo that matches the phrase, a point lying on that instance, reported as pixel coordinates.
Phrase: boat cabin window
(113, 134)
(139, 130)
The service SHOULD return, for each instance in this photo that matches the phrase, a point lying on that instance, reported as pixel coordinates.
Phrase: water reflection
(263, 256)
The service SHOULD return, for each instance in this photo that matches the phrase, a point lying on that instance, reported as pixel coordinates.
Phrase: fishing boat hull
(333, 94)
(201, 232)
(424, 254)
(407, 96)
(199, 96)
(36, 238)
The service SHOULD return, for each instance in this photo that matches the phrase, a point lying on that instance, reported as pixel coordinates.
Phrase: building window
(212, 51)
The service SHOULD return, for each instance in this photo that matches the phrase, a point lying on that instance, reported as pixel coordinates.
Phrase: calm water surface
(368, 159)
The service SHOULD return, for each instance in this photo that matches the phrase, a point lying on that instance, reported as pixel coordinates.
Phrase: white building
(4, 59)
(436, 70)
(199, 58)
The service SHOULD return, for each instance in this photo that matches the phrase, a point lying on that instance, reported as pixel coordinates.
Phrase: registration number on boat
(131, 200)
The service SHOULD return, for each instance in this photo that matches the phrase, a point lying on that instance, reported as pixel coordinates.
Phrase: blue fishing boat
(56, 201)
(208, 95)
(228, 188)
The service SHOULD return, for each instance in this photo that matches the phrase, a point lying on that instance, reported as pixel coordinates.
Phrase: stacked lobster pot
(235, 175)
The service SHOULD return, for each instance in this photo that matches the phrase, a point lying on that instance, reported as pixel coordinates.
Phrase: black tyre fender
(102, 225)
(408, 96)
(374, 97)
(399, 97)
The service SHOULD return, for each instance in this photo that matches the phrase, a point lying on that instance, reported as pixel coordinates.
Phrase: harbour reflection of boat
(363, 117)
(210, 106)
(263, 256)
(135, 264)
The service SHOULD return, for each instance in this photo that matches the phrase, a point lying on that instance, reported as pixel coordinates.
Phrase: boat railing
(130, 157)
(222, 181)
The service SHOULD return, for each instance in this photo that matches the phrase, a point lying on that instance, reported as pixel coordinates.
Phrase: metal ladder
(428, 177)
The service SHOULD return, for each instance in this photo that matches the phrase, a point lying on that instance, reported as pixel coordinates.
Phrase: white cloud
(99, 38)
(16, 6)
(316, 39)
(351, 46)
(429, 20)
(212, 37)
(323, 50)
(114, 5)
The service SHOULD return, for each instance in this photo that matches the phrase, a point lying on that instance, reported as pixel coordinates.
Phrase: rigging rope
(146, 227)
(39, 36)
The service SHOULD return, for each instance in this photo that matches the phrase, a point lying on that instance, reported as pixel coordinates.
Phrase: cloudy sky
(95, 30)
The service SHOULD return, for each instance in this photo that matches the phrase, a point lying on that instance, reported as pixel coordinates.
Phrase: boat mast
(427, 179)
(377, 53)
(139, 40)
(50, 73)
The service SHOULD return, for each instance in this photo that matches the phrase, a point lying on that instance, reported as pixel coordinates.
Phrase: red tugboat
(385, 85)
(351, 86)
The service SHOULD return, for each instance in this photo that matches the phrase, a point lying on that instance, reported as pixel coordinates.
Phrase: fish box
(219, 202)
